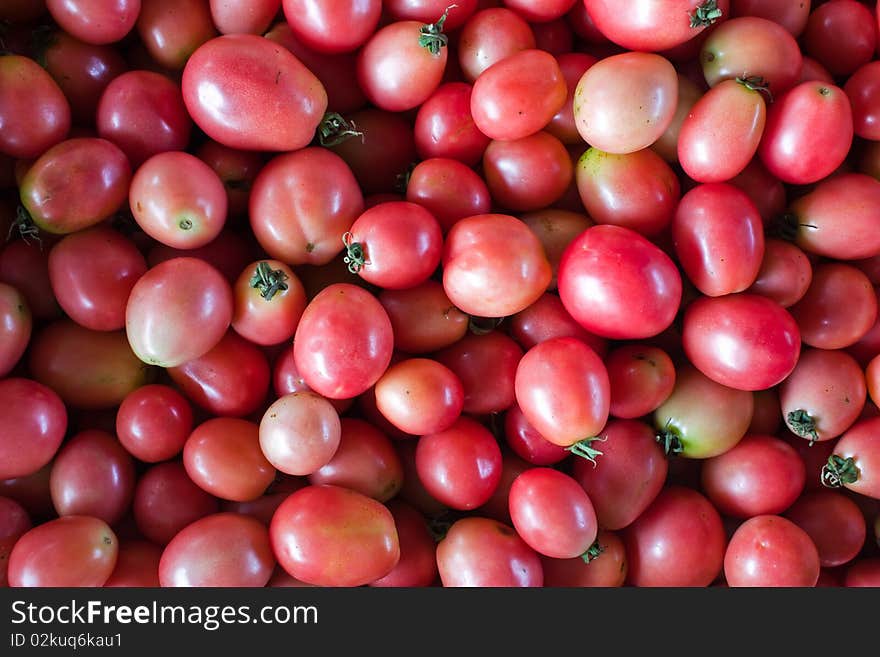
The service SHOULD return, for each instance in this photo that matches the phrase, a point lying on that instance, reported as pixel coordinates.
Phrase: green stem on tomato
(705, 14)
(335, 129)
(803, 424)
(431, 36)
(585, 450)
(839, 471)
(268, 281)
(593, 552)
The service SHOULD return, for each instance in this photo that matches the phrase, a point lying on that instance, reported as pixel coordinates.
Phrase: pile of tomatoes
(421, 293)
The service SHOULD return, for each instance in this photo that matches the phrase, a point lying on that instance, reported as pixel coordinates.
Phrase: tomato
(95, 22)
(628, 476)
(137, 565)
(648, 25)
(527, 174)
(34, 113)
(417, 565)
(481, 552)
(824, 395)
(637, 190)
(301, 203)
(171, 30)
(702, 418)
(445, 128)
(855, 462)
(609, 274)
(573, 65)
(718, 237)
(460, 466)
(237, 170)
(448, 189)
(752, 47)
(230, 380)
(527, 443)
(677, 541)
(420, 396)
(300, 432)
(641, 377)
(742, 341)
(518, 95)
(223, 549)
(143, 113)
(546, 319)
(74, 551)
(343, 342)
(767, 192)
(332, 536)
(428, 10)
(14, 522)
(808, 133)
(166, 300)
(248, 93)
(394, 245)
(838, 218)
(847, 24)
(25, 266)
(92, 475)
(493, 265)
(423, 318)
(402, 64)
(31, 428)
(625, 102)
(365, 461)
(252, 18)
(791, 15)
(340, 27)
(862, 90)
(486, 366)
(166, 500)
(269, 301)
(785, 274)
(153, 423)
(228, 253)
(769, 550)
(721, 133)
(92, 273)
(605, 569)
(223, 457)
(834, 523)
(556, 228)
(16, 323)
(563, 390)
(490, 35)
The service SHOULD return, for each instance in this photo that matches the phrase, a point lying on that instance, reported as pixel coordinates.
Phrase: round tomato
(855, 463)
(16, 324)
(153, 423)
(769, 550)
(95, 22)
(31, 428)
(300, 433)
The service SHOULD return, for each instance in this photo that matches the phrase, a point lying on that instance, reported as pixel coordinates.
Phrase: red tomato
(246, 92)
(95, 22)
(527, 443)
(785, 273)
(546, 319)
(718, 237)
(269, 301)
(863, 90)
(648, 25)
(808, 133)
(171, 30)
(641, 377)
(394, 245)
(429, 10)
(563, 390)
(518, 95)
(74, 551)
(417, 565)
(300, 433)
(625, 102)
(769, 550)
(493, 265)
(556, 228)
(343, 342)
(333, 28)
(605, 569)
(689, 93)
(480, 552)
(420, 396)
(841, 35)
(31, 428)
(16, 323)
(791, 15)
(445, 128)
(460, 466)
(301, 203)
(448, 189)
(25, 266)
(34, 113)
(168, 299)
(250, 18)
(223, 549)
(92, 273)
(766, 191)
(137, 565)
(855, 463)
(677, 541)
(637, 190)
(742, 341)
(332, 536)
(610, 274)
(153, 423)
(834, 523)
(490, 35)
(573, 66)
(423, 318)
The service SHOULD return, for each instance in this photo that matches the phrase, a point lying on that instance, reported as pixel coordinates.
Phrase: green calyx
(268, 281)
(839, 471)
(431, 36)
(355, 256)
(593, 552)
(584, 449)
(706, 14)
(669, 440)
(335, 129)
(801, 423)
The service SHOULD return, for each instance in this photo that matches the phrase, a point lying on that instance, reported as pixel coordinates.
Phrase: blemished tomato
(625, 102)
(677, 541)
(74, 551)
(855, 463)
(628, 475)
(609, 274)
(153, 423)
(648, 25)
(493, 265)
(223, 549)
(563, 390)
(300, 432)
(835, 524)
(343, 342)
(169, 298)
(16, 325)
(95, 22)
(332, 536)
(769, 550)
(742, 341)
(247, 92)
(481, 552)
(31, 428)
(641, 377)
(302, 203)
